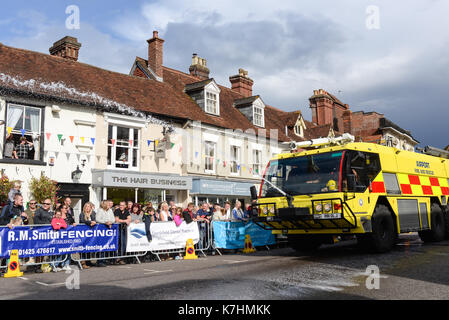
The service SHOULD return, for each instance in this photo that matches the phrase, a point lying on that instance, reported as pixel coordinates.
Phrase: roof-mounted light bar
(432, 151)
(321, 142)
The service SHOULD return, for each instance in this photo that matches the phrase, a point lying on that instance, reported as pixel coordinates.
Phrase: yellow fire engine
(338, 187)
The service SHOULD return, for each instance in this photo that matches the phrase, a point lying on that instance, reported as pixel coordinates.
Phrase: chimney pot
(199, 67)
(155, 54)
(67, 48)
(241, 83)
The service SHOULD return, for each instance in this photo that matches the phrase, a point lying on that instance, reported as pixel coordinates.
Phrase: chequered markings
(423, 185)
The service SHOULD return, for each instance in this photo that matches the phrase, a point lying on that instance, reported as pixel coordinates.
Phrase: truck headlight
(318, 207)
(327, 207)
(272, 210)
(265, 210)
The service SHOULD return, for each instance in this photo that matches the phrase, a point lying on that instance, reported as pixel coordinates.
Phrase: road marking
(155, 271)
(124, 267)
(23, 278)
(50, 284)
(235, 261)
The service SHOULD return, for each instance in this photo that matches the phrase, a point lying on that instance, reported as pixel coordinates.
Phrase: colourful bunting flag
(93, 140)
(172, 145)
(113, 141)
(196, 154)
(59, 137)
(131, 142)
(71, 138)
(23, 132)
(9, 130)
(48, 135)
(156, 142)
(148, 142)
(82, 139)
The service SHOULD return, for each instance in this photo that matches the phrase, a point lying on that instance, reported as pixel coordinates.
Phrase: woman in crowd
(136, 213)
(163, 214)
(105, 215)
(220, 215)
(88, 215)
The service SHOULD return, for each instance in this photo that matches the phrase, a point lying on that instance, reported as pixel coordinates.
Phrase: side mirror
(253, 191)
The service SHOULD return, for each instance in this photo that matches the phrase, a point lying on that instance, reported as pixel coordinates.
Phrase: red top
(58, 223)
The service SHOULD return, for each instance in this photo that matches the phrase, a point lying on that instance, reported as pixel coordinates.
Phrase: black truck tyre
(437, 226)
(383, 235)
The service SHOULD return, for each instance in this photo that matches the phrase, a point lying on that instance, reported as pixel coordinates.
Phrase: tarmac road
(412, 270)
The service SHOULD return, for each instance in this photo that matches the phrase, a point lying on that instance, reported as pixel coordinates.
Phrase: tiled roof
(51, 77)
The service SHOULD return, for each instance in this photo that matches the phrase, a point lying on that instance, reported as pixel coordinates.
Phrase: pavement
(412, 270)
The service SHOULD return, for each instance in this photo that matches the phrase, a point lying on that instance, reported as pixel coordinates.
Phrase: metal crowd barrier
(205, 242)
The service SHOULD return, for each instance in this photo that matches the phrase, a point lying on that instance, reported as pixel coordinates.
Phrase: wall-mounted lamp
(76, 175)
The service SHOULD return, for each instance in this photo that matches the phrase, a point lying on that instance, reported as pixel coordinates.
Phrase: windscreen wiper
(288, 196)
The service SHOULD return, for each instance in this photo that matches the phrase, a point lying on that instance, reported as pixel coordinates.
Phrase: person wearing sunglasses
(44, 215)
(31, 211)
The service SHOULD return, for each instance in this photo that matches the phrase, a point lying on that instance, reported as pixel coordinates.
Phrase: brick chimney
(199, 67)
(155, 54)
(242, 84)
(67, 48)
(322, 106)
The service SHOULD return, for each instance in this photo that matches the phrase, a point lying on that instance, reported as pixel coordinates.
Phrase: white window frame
(235, 161)
(136, 146)
(261, 115)
(211, 91)
(257, 164)
(207, 157)
(211, 98)
(27, 133)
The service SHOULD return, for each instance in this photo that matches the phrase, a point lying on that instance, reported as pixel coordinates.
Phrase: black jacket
(87, 222)
(43, 216)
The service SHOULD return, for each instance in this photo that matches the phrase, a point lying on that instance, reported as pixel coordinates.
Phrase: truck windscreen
(318, 173)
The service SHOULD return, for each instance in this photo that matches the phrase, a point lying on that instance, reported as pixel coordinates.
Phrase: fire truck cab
(338, 188)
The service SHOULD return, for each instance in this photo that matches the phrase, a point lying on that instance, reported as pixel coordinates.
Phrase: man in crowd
(187, 214)
(22, 150)
(203, 216)
(70, 213)
(31, 211)
(123, 217)
(15, 209)
(43, 215)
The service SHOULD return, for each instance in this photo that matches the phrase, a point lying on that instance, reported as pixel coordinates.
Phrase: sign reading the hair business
(140, 180)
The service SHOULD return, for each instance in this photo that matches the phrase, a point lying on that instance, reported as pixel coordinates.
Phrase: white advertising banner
(165, 236)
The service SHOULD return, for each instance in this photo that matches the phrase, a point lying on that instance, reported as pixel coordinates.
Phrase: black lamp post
(76, 175)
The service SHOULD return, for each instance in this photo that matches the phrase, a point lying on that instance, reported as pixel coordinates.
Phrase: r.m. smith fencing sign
(45, 241)
(140, 180)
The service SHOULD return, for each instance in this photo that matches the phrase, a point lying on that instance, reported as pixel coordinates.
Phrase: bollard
(13, 266)
(190, 251)
(248, 245)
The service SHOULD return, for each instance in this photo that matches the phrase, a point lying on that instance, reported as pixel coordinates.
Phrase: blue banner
(231, 235)
(44, 241)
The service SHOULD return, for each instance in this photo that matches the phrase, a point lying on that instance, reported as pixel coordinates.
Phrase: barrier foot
(218, 252)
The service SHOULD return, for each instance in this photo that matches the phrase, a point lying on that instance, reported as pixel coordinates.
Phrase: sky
(375, 55)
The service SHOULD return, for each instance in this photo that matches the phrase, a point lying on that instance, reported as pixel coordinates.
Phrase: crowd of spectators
(61, 215)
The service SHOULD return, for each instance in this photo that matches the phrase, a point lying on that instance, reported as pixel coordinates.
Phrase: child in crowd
(178, 216)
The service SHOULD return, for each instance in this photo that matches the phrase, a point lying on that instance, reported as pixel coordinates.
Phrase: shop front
(140, 187)
(219, 191)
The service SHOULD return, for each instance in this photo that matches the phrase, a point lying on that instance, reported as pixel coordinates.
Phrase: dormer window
(252, 108)
(258, 116)
(211, 103)
(206, 94)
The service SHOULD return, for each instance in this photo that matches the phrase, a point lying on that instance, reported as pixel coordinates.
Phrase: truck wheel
(304, 244)
(437, 226)
(383, 234)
